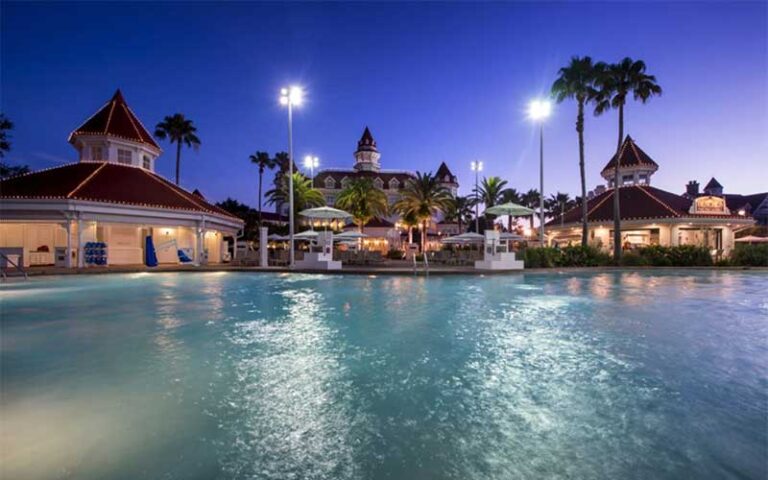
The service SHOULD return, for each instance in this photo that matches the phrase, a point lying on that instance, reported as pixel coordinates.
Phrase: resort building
(651, 216)
(383, 233)
(110, 207)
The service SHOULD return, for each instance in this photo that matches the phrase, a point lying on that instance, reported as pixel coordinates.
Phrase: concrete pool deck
(357, 270)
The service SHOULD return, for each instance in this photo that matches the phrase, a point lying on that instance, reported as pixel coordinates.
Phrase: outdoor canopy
(752, 239)
(509, 208)
(326, 213)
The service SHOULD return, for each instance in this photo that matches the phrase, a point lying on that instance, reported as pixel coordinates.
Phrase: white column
(80, 255)
(68, 261)
(263, 240)
(199, 244)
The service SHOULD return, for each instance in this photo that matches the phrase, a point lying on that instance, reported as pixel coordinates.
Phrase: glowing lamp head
(477, 166)
(311, 162)
(539, 110)
(293, 96)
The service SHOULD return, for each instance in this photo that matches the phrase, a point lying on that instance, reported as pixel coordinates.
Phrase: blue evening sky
(433, 81)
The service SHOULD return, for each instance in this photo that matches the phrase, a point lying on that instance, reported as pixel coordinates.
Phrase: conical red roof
(115, 119)
(630, 155)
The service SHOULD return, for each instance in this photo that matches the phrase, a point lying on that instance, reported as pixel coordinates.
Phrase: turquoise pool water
(262, 376)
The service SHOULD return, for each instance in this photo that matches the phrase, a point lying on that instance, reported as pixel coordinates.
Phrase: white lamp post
(477, 167)
(290, 97)
(311, 163)
(538, 111)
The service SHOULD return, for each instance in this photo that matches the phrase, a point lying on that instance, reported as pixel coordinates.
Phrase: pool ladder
(416, 263)
(8, 261)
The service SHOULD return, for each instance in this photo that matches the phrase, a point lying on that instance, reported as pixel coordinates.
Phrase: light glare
(539, 109)
(477, 166)
(293, 95)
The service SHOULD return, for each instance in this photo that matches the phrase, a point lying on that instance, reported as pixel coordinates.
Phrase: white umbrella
(326, 213)
(509, 208)
(306, 235)
(276, 237)
(752, 239)
(351, 235)
(469, 237)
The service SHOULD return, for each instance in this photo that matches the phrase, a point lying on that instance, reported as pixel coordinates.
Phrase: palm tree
(461, 211)
(556, 204)
(530, 199)
(490, 192)
(510, 195)
(264, 162)
(178, 129)
(423, 197)
(577, 81)
(363, 200)
(409, 220)
(5, 126)
(615, 82)
(304, 196)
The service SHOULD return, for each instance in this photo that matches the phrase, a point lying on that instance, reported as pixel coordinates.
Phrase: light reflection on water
(633, 375)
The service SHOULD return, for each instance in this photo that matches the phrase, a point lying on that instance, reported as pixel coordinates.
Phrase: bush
(582, 256)
(633, 259)
(689, 256)
(395, 254)
(655, 255)
(750, 255)
(540, 257)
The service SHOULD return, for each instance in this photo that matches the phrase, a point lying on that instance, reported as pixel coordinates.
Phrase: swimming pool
(240, 375)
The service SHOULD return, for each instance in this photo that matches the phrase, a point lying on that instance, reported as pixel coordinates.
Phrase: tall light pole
(289, 97)
(538, 111)
(311, 163)
(477, 167)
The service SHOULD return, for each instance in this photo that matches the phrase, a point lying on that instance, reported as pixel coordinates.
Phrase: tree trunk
(584, 212)
(178, 160)
(616, 186)
(424, 237)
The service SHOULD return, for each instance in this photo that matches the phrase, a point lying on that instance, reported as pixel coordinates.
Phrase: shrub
(655, 255)
(750, 255)
(395, 254)
(582, 256)
(541, 257)
(633, 259)
(689, 256)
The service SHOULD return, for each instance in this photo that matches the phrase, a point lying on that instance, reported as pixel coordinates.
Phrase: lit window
(642, 179)
(97, 153)
(627, 179)
(124, 157)
(147, 163)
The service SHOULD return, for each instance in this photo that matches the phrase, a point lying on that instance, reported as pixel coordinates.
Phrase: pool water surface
(614, 375)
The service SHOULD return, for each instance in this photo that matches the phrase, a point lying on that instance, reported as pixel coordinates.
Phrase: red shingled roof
(115, 119)
(108, 183)
(630, 155)
(637, 202)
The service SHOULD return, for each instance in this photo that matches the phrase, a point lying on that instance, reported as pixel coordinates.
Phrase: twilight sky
(433, 81)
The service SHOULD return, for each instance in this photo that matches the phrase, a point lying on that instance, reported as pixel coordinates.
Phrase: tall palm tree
(460, 211)
(409, 221)
(490, 192)
(615, 82)
(363, 200)
(577, 81)
(510, 195)
(304, 196)
(264, 162)
(530, 199)
(423, 197)
(5, 126)
(178, 129)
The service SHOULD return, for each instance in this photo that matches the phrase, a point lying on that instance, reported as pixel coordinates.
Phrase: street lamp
(477, 167)
(311, 163)
(290, 97)
(538, 111)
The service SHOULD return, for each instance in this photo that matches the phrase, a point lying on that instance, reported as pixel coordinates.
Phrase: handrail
(20, 269)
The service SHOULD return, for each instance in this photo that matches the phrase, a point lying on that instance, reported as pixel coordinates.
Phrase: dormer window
(378, 183)
(394, 184)
(124, 157)
(97, 154)
(146, 163)
(330, 183)
(344, 182)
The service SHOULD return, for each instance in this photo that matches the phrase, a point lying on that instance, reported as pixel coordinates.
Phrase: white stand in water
(496, 255)
(320, 254)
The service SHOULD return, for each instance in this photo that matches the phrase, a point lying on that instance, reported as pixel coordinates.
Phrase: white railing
(14, 264)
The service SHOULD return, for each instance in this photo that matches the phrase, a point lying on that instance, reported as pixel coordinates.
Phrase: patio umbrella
(509, 208)
(325, 213)
(351, 235)
(752, 239)
(276, 237)
(305, 235)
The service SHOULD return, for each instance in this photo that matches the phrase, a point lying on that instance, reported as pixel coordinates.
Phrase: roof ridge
(130, 119)
(87, 179)
(184, 194)
(675, 212)
(109, 118)
(136, 117)
(601, 201)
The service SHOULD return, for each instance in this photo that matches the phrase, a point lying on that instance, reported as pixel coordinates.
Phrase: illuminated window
(124, 157)
(97, 153)
(627, 179)
(642, 179)
(147, 163)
